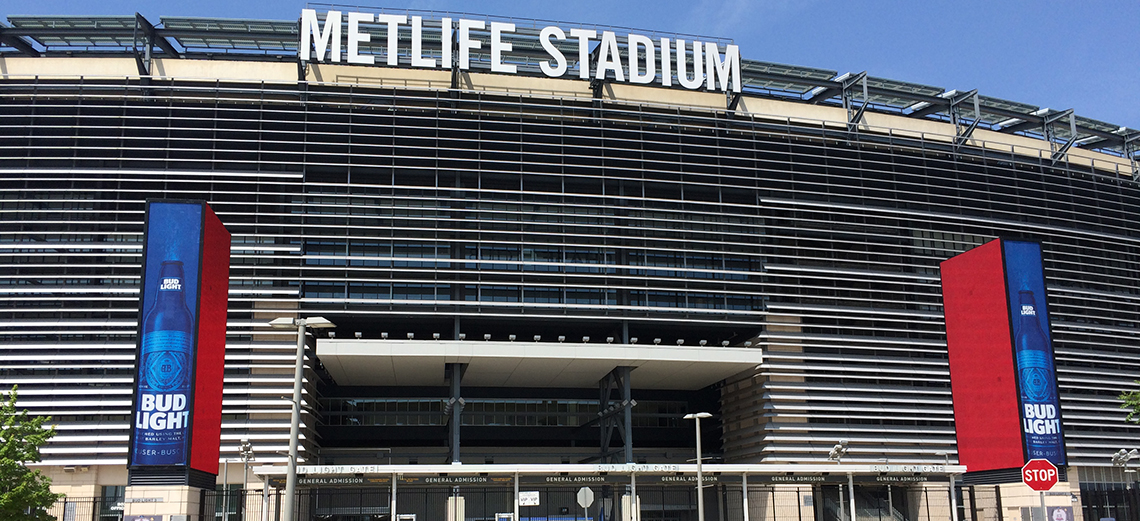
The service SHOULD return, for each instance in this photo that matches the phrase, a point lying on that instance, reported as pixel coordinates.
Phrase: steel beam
(930, 108)
(142, 60)
(616, 415)
(1131, 147)
(9, 37)
(1059, 154)
(454, 408)
(734, 101)
(155, 38)
(854, 116)
(963, 135)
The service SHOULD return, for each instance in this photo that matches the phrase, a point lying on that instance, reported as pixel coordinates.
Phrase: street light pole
(246, 453)
(953, 493)
(700, 477)
(226, 491)
(836, 454)
(295, 415)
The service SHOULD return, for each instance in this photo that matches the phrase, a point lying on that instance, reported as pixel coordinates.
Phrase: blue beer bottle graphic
(164, 385)
(1041, 419)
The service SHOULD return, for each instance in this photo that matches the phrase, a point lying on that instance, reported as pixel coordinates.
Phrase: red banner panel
(983, 374)
(214, 290)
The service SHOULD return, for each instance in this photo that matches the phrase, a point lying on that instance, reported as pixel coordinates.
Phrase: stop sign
(585, 497)
(1039, 474)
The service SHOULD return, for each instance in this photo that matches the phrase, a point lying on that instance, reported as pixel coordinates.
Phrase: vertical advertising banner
(1002, 376)
(982, 382)
(1033, 349)
(165, 360)
(181, 339)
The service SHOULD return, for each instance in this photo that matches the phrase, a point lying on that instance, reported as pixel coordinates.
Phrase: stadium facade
(530, 268)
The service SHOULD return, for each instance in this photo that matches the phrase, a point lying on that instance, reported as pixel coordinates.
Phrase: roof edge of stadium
(277, 40)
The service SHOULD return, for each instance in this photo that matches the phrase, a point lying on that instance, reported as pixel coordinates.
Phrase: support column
(609, 411)
(962, 131)
(634, 503)
(851, 493)
(392, 507)
(854, 115)
(454, 408)
(744, 493)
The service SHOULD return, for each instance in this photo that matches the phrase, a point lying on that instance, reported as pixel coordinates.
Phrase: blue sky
(1083, 55)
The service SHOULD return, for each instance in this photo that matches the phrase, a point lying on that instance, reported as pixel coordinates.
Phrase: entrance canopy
(599, 473)
(530, 364)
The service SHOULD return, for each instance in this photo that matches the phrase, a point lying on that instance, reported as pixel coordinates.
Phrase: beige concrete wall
(166, 501)
(380, 76)
(745, 422)
(225, 70)
(437, 79)
(84, 481)
(68, 67)
(661, 96)
(1015, 496)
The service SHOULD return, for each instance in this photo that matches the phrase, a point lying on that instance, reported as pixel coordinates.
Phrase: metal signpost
(1040, 475)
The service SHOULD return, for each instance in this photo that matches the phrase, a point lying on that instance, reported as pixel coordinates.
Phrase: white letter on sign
(559, 67)
(637, 41)
(394, 21)
(466, 44)
(498, 47)
(418, 59)
(329, 37)
(355, 37)
(583, 36)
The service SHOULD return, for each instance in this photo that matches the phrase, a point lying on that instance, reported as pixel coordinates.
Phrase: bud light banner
(1002, 376)
(181, 345)
(1033, 348)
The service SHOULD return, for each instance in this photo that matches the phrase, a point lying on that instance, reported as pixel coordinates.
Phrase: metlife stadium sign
(695, 64)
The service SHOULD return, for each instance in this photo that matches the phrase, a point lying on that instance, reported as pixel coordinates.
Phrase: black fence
(87, 508)
(1118, 501)
(658, 503)
(232, 505)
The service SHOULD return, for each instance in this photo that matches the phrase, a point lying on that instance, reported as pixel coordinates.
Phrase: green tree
(1131, 401)
(24, 493)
